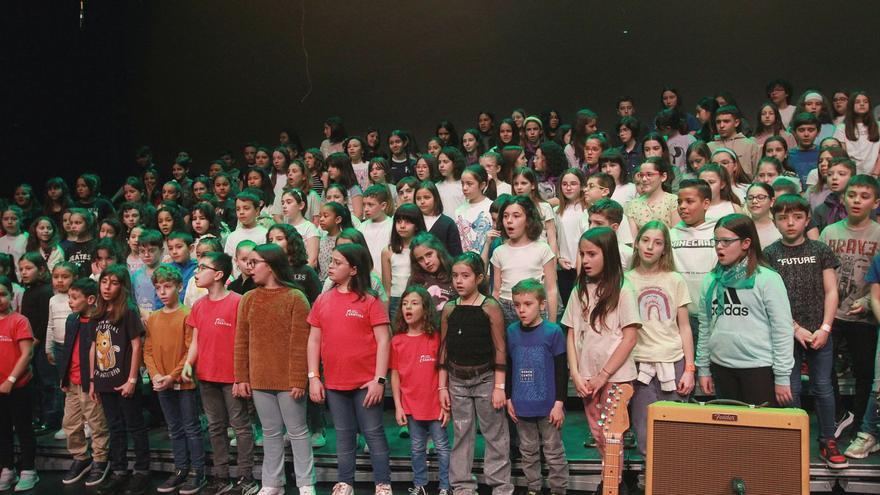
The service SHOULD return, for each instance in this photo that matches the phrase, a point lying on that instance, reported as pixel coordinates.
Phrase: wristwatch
(381, 380)
(11, 379)
(312, 374)
(132, 380)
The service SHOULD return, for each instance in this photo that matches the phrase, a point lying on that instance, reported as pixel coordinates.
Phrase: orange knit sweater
(271, 339)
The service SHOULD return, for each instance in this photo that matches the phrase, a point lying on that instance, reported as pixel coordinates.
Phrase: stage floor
(863, 476)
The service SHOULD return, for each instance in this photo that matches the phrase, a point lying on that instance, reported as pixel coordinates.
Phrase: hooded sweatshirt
(747, 150)
(694, 254)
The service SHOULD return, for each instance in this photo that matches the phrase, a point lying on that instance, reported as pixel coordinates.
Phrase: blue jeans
(418, 433)
(871, 419)
(821, 364)
(182, 416)
(350, 416)
(393, 305)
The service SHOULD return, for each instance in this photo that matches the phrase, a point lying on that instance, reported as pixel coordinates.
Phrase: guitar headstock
(614, 419)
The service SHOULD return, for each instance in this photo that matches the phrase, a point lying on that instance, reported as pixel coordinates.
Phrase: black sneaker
(98, 473)
(138, 484)
(114, 484)
(175, 481)
(195, 481)
(217, 486)
(246, 485)
(589, 441)
(78, 469)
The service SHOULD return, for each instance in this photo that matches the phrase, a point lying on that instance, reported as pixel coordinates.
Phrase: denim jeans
(821, 365)
(278, 411)
(871, 418)
(46, 390)
(350, 416)
(181, 413)
(125, 416)
(393, 305)
(418, 434)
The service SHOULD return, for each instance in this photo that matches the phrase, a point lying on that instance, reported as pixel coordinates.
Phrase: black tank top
(469, 336)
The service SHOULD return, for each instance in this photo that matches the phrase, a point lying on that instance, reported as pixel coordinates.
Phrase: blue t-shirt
(187, 270)
(532, 353)
(803, 161)
(144, 291)
(873, 275)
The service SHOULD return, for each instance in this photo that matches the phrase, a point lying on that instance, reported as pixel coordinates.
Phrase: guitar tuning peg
(600, 422)
(602, 416)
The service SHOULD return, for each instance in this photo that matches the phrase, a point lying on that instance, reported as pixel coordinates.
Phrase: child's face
(471, 187)
(241, 257)
(373, 139)
(427, 258)
(425, 202)
(814, 106)
(484, 122)
(334, 173)
(327, 219)
(625, 108)
(22, 196)
(625, 134)
(571, 187)
(696, 161)
(405, 228)
(164, 222)
(150, 180)
(726, 124)
(255, 180)
(377, 173)
(728, 162)
(776, 150)
(445, 165)
(334, 194)
(200, 223)
(260, 270)
(528, 308)
(355, 150)
(261, 159)
(405, 194)
(395, 144)
(860, 202)
(199, 190)
(61, 280)
(290, 207)
(824, 163)
(106, 230)
(221, 188)
(768, 116)
(178, 172)
(729, 247)
(778, 95)
(505, 132)
(838, 176)
(82, 189)
(613, 169)
(44, 231)
(650, 178)
(178, 250)
(55, 193)
(103, 259)
(464, 280)
(28, 271)
(168, 292)
(592, 151)
(670, 99)
(77, 301)
(840, 100)
(758, 202)
(278, 160)
(651, 245)
(767, 173)
(714, 182)
(205, 271)
(434, 148)
(594, 191)
(214, 169)
(691, 207)
(133, 239)
(169, 193)
(373, 209)
(423, 171)
(652, 148)
(521, 186)
(77, 225)
(278, 238)
(601, 220)
(806, 135)
(5, 300)
(295, 175)
(861, 105)
(131, 217)
(592, 260)
(246, 212)
(791, 224)
(11, 223)
(469, 142)
(131, 194)
(413, 308)
(490, 165)
(340, 270)
(514, 219)
(150, 255)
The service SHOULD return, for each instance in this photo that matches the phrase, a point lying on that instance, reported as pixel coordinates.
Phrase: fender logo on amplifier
(725, 417)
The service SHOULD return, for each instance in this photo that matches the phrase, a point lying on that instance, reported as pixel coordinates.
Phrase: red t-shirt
(13, 329)
(216, 322)
(74, 375)
(415, 359)
(348, 346)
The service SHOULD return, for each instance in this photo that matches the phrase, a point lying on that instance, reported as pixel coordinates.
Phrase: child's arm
(552, 289)
(242, 386)
(357, 205)
(187, 340)
(386, 269)
(701, 355)
(496, 322)
(496, 282)
(375, 390)
(573, 371)
(313, 350)
(298, 345)
(399, 415)
(50, 337)
(443, 381)
(829, 283)
(192, 355)
(312, 251)
(780, 325)
(92, 393)
(26, 346)
(550, 227)
(149, 360)
(127, 389)
(686, 384)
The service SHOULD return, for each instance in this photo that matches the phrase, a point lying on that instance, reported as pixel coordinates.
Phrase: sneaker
(175, 481)
(629, 439)
(271, 490)
(27, 481)
(403, 432)
(864, 445)
(41, 429)
(532, 492)
(114, 484)
(640, 481)
(195, 481)
(417, 490)
(60, 435)
(430, 449)
(443, 491)
(217, 485)
(7, 479)
(342, 489)
(233, 442)
(258, 436)
(307, 490)
(845, 421)
(98, 473)
(318, 440)
(245, 485)
(589, 441)
(87, 430)
(78, 469)
(829, 453)
(383, 489)
(138, 484)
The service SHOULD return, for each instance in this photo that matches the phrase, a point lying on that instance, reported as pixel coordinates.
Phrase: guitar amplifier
(709, 449)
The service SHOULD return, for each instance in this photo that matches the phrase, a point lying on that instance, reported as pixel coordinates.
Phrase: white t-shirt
(473, 221)
(547, 214)
(378, 236)
(768, 234)
(307, 230)
(450, 196)
(502, 187)
(624, 232)
(362, 172)
(15, 245)
(862, 151)
(624, 193)
(519, 263)
(430, 220)
(568, 231)
(787, 114)
(721, 209)
(400, 270)
(256, 234)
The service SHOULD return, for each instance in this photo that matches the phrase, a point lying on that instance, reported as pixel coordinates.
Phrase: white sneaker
(342, 489)
(307, 490)
(383, 489)
(27, 481)
(87, 430)
(864, 445)
(7, 479)
(59, 435)
(271, 490)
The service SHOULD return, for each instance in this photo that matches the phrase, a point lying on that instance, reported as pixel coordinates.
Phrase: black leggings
(15, 412)
(749, 385)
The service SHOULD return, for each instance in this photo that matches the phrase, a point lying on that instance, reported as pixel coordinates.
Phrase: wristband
(443, 388)
(312, 374)
(499, 386)
(691, 368)
(826, 327)
(132, 380)
(11, 379)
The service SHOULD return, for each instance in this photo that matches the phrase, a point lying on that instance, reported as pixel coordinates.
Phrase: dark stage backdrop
(208, 75)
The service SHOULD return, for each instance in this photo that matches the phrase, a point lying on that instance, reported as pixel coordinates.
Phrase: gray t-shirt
(855, 248)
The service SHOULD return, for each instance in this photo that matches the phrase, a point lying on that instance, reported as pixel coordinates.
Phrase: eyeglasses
(201, 267)
(725, 241)
(760, 198)
(254, 263)
(590, 186)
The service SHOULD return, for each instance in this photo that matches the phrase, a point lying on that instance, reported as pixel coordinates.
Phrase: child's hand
(492, 235)
(93, 395)
(5, 387)
(50, 356)
(511, 411)
(65, 389)
(316, 391)
(445, 401)
(375, 392)
(400, 416)
(686, 384)
(857, 308)
(160, 382)
(565, 264)
(803, 336)
(444, 418)
(707, 385)
(241, 390)
(187, 372)
(126, 390)
(596, 383)
(783, 395)
(498, 398)
(557, 414)
(820, 338)
(297, 393)
(580, 386)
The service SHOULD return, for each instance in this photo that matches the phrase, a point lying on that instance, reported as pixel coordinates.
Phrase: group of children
(482, 278)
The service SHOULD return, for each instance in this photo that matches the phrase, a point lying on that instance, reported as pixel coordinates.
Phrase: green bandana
(724, 277)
